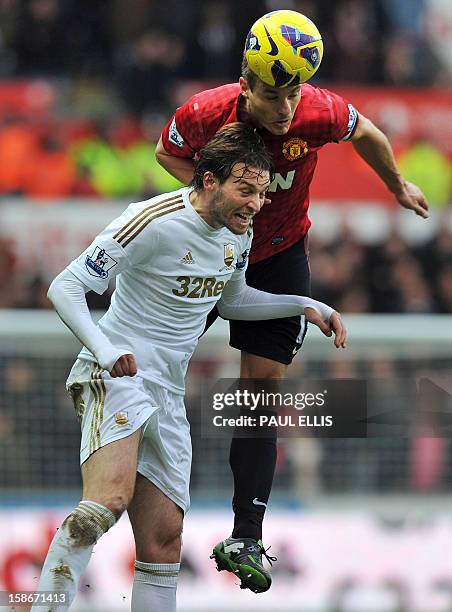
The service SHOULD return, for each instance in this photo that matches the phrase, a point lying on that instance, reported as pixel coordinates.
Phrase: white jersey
(171, 269)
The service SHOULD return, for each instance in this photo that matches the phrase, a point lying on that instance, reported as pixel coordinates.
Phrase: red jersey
(321, 117)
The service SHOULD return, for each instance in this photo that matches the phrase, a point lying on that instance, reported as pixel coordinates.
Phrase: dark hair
(233, 143)
(250, 77)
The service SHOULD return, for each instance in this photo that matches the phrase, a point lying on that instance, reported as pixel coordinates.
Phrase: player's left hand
(412, 198)
(333, 325)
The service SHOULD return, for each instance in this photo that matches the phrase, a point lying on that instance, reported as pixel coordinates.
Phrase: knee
(163, 546)
(117, 504)
(116, 499)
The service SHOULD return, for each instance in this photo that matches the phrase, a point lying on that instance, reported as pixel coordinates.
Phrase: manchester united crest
(295, 148)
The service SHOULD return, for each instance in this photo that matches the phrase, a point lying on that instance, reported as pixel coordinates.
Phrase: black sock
(252, 460)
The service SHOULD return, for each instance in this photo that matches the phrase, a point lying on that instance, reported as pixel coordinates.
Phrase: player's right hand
(333, 326)
(339, 330)
(124, 366)
(412, 198)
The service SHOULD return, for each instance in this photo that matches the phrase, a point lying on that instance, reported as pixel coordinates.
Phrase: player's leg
(112, 412)
(157, 527)
(160, 502)
(252, 459)
(108, 482)
(253, 479)
(268, 347)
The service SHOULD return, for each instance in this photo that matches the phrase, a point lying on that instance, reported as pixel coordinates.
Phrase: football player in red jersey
(294, 122)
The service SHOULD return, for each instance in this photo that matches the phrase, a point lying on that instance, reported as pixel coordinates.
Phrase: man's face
(270, 107)
(239, 198)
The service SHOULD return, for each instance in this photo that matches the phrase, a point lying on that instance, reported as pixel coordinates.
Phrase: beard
(217, 208)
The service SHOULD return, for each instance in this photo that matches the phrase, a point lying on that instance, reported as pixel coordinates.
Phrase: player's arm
(374, 147)
(67, 294)
(180, 141)
(180, 167)
(121, 245)
(239, 301)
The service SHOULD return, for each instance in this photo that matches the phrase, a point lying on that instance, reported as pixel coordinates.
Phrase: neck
(243, 111)
(202, 205)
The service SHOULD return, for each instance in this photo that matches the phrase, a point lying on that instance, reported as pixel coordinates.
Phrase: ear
(208, 180)
(243, 86)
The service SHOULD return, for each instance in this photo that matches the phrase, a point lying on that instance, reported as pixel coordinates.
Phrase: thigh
(165, 451)
(276, 340)
(156, 523)
(108, 409)
(109, 473)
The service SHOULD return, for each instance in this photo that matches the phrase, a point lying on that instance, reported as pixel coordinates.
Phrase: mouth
(283, 122)
(243, 218)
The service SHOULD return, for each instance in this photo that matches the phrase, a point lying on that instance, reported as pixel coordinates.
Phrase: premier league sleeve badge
(99, 262)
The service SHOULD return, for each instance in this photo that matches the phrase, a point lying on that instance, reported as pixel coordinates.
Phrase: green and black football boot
(243, 557)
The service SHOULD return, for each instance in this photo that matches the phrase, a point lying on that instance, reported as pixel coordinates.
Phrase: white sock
(154, 587)
(71, 549)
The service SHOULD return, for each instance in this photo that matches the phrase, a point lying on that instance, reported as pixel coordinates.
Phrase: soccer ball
(284, 48)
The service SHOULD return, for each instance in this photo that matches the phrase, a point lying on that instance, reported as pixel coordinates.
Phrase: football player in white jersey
(174, 257)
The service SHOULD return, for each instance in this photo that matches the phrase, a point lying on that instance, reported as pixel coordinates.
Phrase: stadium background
(85, 88)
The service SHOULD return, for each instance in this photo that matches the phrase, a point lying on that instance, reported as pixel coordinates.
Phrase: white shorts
(113, 408)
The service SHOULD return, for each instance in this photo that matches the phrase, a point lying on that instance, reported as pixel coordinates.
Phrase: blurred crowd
(392, 277)
(81, 158)
(137, 44)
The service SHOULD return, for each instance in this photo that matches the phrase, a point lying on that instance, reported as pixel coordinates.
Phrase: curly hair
(233, 143)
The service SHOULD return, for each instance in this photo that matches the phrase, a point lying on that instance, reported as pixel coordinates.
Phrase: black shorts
(276, 339)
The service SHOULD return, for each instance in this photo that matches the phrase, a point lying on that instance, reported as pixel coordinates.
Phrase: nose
(284, 109)
(255, 203)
